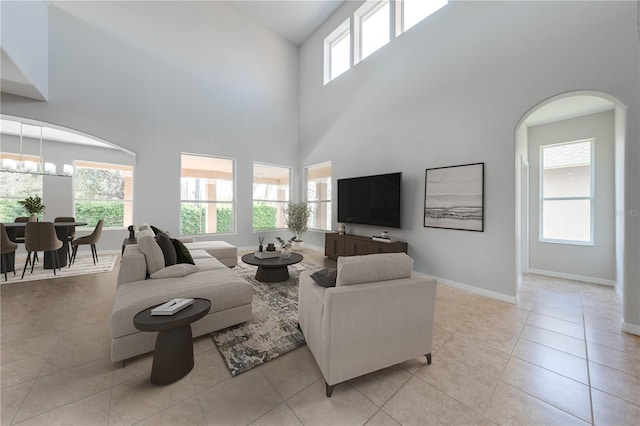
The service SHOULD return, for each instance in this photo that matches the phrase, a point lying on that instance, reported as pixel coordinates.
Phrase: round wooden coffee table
(272, 270)
(173, 354)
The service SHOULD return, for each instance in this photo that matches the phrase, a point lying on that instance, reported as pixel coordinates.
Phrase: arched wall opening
(62, 152)
(595, 105)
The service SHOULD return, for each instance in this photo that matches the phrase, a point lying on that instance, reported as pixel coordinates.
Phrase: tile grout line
(526, 392)
(586, 353)
(35, 380)
(509, 355)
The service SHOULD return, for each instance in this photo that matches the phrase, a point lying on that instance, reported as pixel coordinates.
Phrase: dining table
(62, 231)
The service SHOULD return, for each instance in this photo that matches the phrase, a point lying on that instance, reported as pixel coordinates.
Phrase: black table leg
(173, 355)
(63, 235)
(272, 274)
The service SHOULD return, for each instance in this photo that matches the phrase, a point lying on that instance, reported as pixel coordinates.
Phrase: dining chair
(91, 239)
(41, 236)
(7, 246)
(72, 232)
(20, 231)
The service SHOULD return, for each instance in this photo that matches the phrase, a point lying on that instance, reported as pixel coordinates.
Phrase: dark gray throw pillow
(168, 250)
(184, 256)
(325, 277)
(157, 230)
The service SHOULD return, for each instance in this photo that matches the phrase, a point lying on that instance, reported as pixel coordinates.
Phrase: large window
(103, 191)
(410, 12)
(318, 180)
(337, 52)
(371, 28)
(566, 193)
(270, 195)
(15, 186)
(206, 195)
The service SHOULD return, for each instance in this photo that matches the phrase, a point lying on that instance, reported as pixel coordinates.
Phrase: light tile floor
(558, 357)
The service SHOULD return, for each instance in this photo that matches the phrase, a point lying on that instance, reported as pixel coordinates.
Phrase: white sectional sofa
(143, 283)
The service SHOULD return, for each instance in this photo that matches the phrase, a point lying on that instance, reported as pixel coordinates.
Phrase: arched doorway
(76, 175)
(562, 112)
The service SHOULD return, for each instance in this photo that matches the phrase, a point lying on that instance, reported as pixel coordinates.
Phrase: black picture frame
(454, 197)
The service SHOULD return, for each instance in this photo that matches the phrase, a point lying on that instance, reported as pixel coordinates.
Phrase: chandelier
(13, 162)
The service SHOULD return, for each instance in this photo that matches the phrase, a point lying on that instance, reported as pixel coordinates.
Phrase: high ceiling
(294, 20)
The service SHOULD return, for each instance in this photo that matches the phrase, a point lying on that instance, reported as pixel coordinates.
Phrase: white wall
(161, 78)
(24, 39)
(522, 212)
(595, 263)
(451, 91)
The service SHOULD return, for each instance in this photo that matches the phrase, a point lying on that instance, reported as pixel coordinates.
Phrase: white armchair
(375, 317)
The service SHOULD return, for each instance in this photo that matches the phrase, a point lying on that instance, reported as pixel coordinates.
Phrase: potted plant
(296, 218)
(33, 205)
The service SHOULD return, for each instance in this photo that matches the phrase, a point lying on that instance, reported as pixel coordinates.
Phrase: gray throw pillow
(175, 271)
(152, 254)
(325, 277)
(168, 250)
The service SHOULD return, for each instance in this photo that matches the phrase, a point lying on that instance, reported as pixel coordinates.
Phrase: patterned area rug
(274, 328)
(82, 266)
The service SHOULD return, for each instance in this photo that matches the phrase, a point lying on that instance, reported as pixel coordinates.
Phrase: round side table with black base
(273, 269)
(173, 354)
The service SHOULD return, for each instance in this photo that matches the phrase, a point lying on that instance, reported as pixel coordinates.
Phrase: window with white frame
(372, 28)
(566, 193)
(337, 52)
(103, 191)
(206, 195)
(410, 12)
(16, 185)
(271, 193)
(318, 181)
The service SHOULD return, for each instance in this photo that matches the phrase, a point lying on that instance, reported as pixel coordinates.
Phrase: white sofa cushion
(199, 254)
(175, 271)
(222, 287)
(373, 268)
(152, 253)
(218, 249)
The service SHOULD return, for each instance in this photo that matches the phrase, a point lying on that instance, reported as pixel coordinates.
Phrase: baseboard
(472, 289)
(619, 292)
(631, 328)
(573, 277)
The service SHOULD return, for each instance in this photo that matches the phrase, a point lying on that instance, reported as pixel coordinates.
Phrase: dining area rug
(82, 266)
(273, 331)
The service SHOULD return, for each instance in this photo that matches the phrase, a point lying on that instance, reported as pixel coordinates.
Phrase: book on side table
(266, 254)
(171, 307)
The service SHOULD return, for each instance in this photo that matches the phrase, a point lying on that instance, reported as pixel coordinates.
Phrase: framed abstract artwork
(454, 197)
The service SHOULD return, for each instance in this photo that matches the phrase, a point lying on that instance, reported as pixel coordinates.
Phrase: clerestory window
(337, 52)
(372, 28)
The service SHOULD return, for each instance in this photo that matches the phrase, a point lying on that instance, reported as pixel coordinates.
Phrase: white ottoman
(221, 250)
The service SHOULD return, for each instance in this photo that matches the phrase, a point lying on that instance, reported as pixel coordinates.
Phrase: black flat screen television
(370, 200)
